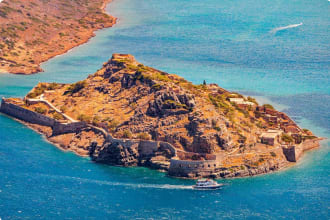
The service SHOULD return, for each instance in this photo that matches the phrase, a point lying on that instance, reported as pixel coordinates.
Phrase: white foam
(285, 27)
(130, 185)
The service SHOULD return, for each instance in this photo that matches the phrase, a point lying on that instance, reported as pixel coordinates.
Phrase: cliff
(33, 31)
(129, 114)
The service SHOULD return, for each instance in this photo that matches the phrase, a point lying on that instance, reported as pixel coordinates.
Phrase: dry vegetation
(34, 31)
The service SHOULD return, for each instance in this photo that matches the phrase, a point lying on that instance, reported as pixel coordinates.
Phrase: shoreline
(59, 140)
(84, 41)
(284, 166)
(90, 33)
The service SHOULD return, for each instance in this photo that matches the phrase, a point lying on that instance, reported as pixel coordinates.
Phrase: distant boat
(286, 27)
(206, 184)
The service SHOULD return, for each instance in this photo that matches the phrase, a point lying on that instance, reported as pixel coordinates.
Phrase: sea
(276, 51)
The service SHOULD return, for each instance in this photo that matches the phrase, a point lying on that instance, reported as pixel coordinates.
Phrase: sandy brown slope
(34, 31)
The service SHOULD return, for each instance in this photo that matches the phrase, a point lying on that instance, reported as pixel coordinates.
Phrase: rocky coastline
(128, 114)
(27, 41)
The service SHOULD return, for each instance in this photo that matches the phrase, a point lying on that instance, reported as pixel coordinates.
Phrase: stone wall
(25, 114)
(293, 153)
(60, 128)
(187, 168)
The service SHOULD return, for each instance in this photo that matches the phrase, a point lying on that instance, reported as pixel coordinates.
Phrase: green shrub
(63, 108)
(84, 118)
(40, 110)
(57, 116)
(37, 91)
(127, 134)
(96, 120)
(250, 99)
(287, 138)
(76, 87)
(52, 86)
(144, 136)
(113, 124)
(268, 106)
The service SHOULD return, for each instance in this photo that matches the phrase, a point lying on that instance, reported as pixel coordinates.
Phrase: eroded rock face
(169, 102)
(115, 154)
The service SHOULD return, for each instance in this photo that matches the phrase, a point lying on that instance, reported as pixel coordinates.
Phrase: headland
(128, 114)
(31, 32)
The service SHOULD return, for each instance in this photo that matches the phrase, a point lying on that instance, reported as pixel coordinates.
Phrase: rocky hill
(33, 31)
(137, 115)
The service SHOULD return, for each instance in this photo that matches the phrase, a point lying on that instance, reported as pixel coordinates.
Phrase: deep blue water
(244, 45)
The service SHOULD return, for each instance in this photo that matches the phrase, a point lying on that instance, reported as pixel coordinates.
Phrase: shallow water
(254, 47)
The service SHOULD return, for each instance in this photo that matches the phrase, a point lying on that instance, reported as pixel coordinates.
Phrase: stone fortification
(185, 168)
(293, 153)
(24, 114)
(64, 128)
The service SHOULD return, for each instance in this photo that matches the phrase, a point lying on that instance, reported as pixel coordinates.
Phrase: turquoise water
(246, 46)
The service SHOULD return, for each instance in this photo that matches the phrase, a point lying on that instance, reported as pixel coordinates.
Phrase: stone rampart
(25, 114)
(60, 128)
(293, 153)
(191, 168)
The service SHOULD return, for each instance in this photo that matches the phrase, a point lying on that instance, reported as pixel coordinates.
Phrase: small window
(209, 165)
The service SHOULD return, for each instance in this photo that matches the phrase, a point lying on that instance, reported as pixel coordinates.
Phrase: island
(129, 114)
(34, 31)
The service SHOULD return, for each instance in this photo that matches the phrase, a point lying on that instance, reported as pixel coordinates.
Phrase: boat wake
(275, 30)
(130, 185)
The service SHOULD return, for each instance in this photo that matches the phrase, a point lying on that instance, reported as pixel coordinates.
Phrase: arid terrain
(136, 115)
(33, 31)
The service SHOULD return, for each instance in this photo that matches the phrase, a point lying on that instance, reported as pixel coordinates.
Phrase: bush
(40, 110)
(144, 136)
(287, 138)
(37, 91)
(127, 134)
(96, 120)
(250, 99)
(268, 106)
(63, 108)
(272, 154)
(57, 116)
(52, 86)
(113, 124)
(84, 118)
(76, 87)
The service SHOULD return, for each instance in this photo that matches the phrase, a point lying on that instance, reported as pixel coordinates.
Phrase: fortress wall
(25, 114)
(290, 153)
(293, 153)
(148, 148)
(60, 128)
(187, 168)
(126, 142)
(168, 146)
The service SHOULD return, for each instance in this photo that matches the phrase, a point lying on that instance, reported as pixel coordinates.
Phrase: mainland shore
(46, 30)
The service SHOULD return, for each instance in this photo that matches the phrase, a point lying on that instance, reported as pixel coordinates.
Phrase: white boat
(206, 184)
